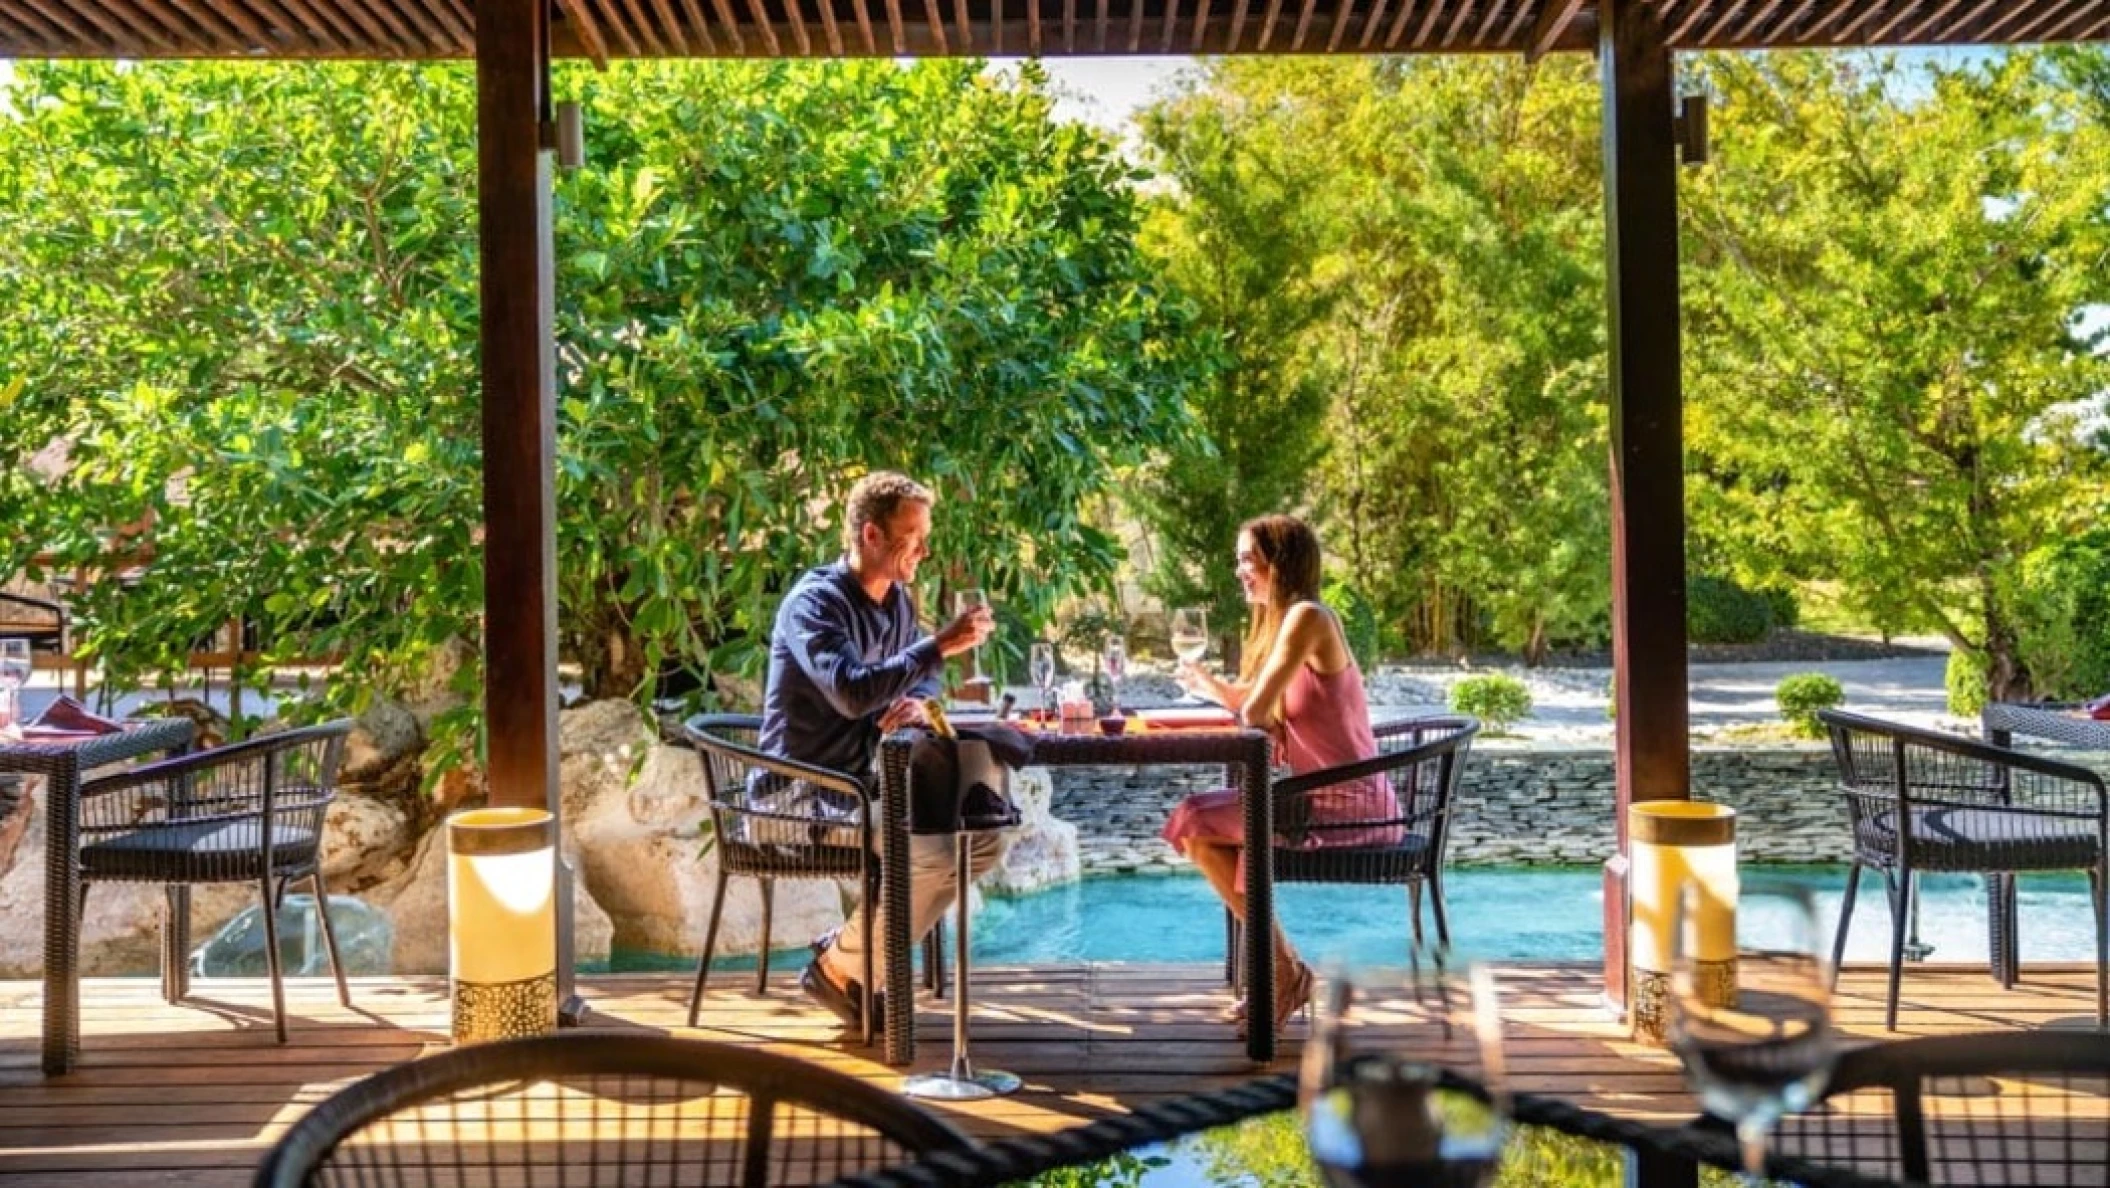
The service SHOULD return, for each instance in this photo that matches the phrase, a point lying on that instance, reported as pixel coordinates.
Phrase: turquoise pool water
(1514, 913)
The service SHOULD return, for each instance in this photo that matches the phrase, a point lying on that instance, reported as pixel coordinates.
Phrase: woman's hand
(1197, 680)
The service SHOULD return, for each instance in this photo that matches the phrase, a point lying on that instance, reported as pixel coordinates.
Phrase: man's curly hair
(874, 500)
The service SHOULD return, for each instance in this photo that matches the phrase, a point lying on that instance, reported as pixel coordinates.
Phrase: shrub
(1499, 701)
(1781, 606)
(1965, 677)
(1358, 620)
(2062, 617)
(1802, 695)
(1719, 611)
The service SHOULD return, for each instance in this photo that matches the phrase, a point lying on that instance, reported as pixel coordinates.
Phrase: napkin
(2099, 709)
(67, 718)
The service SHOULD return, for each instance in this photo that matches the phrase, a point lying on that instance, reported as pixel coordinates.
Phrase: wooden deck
(190, 1095)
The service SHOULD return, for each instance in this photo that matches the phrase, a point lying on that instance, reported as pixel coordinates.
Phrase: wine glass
(14, 673)
(1750, 1015)
(1116, 660)
(1190, 634)
(1040, 665)
(1378, 1118)
(963, 602)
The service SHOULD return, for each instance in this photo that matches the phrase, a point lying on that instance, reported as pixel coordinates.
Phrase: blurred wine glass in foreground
(1380, 1116)
(1769, 1052)
(1190, 634)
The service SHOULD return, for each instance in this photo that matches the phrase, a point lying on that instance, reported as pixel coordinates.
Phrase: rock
(1042, 851)
(237, 950)
(599, 746)
(381, 755)
(362, 839)
(646, 859)
(440, 689)
(416, 905)
(120, 933)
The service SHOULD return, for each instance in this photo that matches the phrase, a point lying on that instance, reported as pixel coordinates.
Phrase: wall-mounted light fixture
(1690, 128)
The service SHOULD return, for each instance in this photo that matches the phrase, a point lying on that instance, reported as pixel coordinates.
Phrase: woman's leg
(1218, 862)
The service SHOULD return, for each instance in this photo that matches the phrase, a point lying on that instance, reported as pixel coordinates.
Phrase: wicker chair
(206, 818)
(39, 620)
(1921, 800)
(1421, 759)
(584, 1109)
(2030, 1108)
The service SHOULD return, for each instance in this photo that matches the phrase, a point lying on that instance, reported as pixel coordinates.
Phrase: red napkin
(67, 718)
(1182, 718)
(2099, 709)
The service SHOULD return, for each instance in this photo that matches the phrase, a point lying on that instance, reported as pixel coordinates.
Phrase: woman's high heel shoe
(1292, 996)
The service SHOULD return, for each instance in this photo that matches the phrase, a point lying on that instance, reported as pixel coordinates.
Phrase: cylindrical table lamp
(502, 922)
(1676, 842)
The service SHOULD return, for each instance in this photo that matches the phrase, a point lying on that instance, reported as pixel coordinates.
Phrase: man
(847, 664)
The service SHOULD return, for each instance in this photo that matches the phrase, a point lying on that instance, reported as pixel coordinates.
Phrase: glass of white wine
(963, 602)
(1770, 1051)
(1190, 634)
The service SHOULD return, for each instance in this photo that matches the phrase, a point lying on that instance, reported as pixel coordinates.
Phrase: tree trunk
(611, 662)
(2006, 676)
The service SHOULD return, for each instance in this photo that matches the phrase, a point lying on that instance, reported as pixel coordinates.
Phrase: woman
(1299, 681)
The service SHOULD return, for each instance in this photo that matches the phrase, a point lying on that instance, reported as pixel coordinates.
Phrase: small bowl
(1113, 725)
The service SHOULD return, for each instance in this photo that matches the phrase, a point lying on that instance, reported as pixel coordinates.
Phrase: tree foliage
(1435, 273)
(1890, 265)
(260, 281)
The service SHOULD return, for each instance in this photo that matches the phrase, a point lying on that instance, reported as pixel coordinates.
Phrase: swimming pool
(1538, 913)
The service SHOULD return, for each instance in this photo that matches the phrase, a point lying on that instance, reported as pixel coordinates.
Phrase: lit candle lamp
(502, 922)
(1675, 842)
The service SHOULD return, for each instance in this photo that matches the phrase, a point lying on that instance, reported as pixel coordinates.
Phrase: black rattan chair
(589, 1109)
(39, 620)
(1421, 759)
(251, 812)
(2028, 1108)
(1920, 800)
(773, 819)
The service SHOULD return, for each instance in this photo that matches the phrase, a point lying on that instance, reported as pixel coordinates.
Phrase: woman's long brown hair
(1291, 550)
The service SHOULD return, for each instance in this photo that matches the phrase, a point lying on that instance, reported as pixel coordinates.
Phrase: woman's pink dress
(1325, 723)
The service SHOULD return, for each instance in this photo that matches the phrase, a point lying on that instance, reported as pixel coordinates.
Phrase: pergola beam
(1554, 19)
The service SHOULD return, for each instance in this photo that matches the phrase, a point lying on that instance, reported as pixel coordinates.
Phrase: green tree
(1887, 268)
(1237, 237)
(1420, 243)
(245, 296)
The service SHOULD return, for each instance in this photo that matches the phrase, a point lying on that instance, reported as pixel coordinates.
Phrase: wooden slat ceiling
(606, 29)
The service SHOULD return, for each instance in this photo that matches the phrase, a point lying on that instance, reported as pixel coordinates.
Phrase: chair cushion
(1952, 838)
(206, 851)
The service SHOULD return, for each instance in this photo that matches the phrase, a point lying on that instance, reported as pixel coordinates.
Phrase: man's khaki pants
(933, 880)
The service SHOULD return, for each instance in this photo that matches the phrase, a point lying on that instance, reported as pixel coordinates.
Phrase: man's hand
(906, 711)
(965, 633)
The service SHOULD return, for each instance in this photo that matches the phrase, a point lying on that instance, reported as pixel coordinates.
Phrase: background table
(62, 764)
(2002, 721)
(1243, 754)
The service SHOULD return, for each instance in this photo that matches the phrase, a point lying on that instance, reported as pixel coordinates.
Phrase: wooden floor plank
(190, 1095)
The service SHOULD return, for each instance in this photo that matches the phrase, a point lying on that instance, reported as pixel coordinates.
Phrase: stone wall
(1517, 807)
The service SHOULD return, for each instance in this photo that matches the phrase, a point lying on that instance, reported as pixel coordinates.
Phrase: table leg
(62, 922)
(175, 945)
(1254, 785)
(900, 1028)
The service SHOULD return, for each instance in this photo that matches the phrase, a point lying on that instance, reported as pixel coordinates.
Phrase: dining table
(1243, 754)
(62, 760)
(2067, 725)
(1253, 1134)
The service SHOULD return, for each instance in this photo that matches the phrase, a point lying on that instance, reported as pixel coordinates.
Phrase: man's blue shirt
(837, 660)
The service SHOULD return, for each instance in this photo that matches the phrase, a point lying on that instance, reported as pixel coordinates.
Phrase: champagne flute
(14, 673)
(963, 602)
(1040, 665)
(1768, 1052)
(1386, 1119)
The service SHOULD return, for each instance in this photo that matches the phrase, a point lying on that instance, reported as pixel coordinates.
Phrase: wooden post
(519, 419)
(1652, 751)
